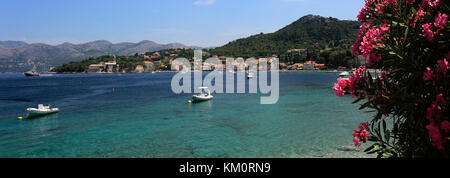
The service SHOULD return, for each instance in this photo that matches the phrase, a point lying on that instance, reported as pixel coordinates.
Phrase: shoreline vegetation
(283, 71)
(162, 61)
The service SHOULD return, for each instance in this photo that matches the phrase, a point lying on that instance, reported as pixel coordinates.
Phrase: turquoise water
(143, 118)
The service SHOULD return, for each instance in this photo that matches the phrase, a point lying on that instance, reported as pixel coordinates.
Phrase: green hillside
(310, 32)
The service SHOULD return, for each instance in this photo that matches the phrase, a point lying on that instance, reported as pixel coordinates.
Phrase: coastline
(281, 71)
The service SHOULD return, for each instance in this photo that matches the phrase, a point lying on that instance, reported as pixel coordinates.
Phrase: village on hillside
(160, 61)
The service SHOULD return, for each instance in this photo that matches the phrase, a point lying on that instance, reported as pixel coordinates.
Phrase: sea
(139, 116)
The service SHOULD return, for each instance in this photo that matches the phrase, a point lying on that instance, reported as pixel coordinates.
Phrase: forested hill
(311, 32)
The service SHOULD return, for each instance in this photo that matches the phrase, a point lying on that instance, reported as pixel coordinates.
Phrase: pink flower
(354, 79)
(440, 99)
(379, 9)
(443, 66)
(427, 30)
(433, 111)
(436, 136)
(355, 133)
(383, 76)
(410, 1)
(430, 3)
(362, 14)
(421, 13)
(374, 58)
(428, 75)
(384, 28)
(356, 140)
(434, 115)
(363, 126)
(359, 40)
(371, 40)
(338, 91)
(441, 21)
(445, 126)
(339, 88)
(363, 134)
(391, 2)
(355, 48)
(360, 134)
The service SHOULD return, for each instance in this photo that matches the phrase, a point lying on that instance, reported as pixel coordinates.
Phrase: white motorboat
(31, 73)
(250, 75)
(344, 74)
(41, 110)
(205, 95)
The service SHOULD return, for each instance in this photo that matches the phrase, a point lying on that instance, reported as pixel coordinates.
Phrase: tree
(409, 41)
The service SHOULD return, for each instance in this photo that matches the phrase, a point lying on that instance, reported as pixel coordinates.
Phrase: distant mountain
(12, 44)
(199, 47)
(311, 32)
(17, 56)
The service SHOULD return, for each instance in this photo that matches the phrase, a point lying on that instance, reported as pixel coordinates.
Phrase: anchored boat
(205, 95)
(41, 110)
(250, 75)
(31, 73)
(344, 74)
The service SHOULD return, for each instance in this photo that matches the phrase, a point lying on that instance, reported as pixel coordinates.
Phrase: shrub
(408, 40)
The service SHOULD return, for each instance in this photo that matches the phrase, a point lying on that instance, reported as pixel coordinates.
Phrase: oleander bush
(408, 40)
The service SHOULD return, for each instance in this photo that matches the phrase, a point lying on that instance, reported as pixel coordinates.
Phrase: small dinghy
(41, 110)
(204, 96)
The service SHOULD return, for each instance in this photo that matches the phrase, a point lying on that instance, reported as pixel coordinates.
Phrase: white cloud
(204, 2)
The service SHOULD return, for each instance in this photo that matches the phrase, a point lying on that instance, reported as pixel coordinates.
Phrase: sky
(202, 23)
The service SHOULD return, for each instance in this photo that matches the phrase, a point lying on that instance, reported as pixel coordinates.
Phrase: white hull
(250, 75)
(32, 112)
(202, 98)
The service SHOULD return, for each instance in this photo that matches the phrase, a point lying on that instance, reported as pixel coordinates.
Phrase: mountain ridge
(19, 56)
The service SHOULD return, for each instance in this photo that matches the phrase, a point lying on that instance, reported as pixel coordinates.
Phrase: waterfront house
(149, 66)
(320, 66)
(309, 65)
(95, 68)
(312, 65)
(111, 66)
(139, 69)
(298, 66)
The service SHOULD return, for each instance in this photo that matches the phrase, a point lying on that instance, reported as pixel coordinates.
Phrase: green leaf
(372, 139)
(370, 148)
(387, 135)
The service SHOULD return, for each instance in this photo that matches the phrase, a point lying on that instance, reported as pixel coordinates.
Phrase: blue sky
(191, 22)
